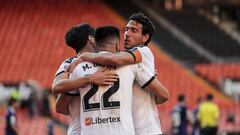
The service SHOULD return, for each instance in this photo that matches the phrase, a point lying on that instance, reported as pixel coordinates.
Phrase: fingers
(72, 67)
(67, 68)
(111, 80)
(102, 69)
(111, 74)
(107, 83)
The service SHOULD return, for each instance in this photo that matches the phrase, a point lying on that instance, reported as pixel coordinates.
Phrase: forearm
(99, 58)
(66, 85)
(62, 104)
(112, 59)
(159, 91)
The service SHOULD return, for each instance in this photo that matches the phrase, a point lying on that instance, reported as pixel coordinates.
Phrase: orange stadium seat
(32, 47)
(216, 72)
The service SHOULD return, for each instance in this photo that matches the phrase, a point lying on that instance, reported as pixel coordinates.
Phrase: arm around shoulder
(113, 59)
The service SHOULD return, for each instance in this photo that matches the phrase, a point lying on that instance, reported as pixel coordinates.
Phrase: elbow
(56, 89)
(61, 110)
(166, 96)
(162, 98)
(58, 110)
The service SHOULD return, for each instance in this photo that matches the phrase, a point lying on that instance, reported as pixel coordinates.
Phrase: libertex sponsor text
(97, 120)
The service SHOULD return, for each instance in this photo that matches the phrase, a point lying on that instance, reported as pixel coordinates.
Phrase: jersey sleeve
(140, 53)
(145, 51)
(143, 75)
(137, 56)
(64, 66)
(77, 72)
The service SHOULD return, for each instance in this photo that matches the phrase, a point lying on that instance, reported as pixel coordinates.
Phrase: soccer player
(11, 118)
(108, 109)
(81, 39)
(138, 33)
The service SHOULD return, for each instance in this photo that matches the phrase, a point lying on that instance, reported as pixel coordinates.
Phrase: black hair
(11, 101)
(104, 33)
(209, 97)
(77, 36)
(181, 98)
(148, 26)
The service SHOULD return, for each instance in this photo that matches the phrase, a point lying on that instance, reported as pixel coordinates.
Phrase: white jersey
(107, 110)
(74, 106)
(74, 111)
(145, 113)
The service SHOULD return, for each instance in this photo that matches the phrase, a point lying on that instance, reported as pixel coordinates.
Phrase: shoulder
(85, 68)
(64, 65)
(144, 49)
(69, 60)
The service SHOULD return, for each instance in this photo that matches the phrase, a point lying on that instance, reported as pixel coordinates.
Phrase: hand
(104, 77)
(73, 65)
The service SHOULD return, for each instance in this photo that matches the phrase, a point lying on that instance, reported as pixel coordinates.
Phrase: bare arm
(62, 104)
(159, 90)
(62, 84)
(113, 59)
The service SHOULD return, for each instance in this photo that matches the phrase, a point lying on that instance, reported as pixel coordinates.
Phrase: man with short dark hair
(11, 119)
(81, 39)
(181, 116)
(108, 109)
(138, 33)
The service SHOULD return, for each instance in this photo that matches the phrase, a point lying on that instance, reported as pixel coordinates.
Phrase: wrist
(88, 79)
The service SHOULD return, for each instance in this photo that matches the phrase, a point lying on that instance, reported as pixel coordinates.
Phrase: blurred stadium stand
(32, 47)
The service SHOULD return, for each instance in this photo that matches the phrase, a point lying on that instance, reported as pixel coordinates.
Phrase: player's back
(107, 110)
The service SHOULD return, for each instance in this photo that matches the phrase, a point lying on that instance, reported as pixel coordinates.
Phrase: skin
(132, 37)
(62, 83)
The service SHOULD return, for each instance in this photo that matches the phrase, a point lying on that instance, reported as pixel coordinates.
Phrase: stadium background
(196, 48)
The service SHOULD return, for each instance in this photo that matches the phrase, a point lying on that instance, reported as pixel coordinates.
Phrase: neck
(86, 49)
(108, 49)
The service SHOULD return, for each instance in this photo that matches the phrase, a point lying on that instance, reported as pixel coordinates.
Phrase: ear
(91, 39)
(145, 37)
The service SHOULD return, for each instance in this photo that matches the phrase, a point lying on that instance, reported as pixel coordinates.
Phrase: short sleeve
(136, 54)
(64, 66)
(145, 51)
(143, 75)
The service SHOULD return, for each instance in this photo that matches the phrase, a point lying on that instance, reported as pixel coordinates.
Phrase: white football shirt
(145, 113)
(74, 106)
(107, 110)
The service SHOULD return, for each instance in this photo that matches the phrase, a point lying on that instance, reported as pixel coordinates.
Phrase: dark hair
(209, 96)
(77, 36)
(11, 101)
(148, 26)
(181, 97)
(104, 33)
